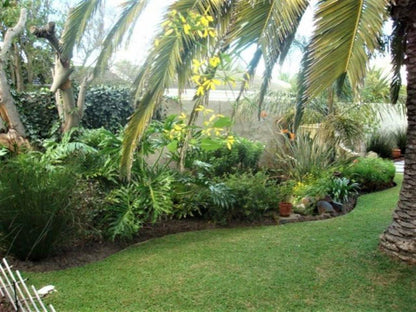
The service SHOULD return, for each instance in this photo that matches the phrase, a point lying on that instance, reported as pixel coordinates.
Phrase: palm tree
(346, 34)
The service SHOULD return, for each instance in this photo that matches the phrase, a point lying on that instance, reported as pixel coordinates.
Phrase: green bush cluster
(372, 174)
(38, 203)
(244, 156)
(107, 107)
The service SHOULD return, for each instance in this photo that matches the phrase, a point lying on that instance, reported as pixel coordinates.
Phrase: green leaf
(208, 144)
(222, 122)
(172, 146)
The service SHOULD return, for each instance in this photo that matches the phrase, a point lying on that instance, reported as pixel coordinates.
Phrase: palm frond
(172, 55)
(272, 26)
(121, 30)
(76, 24)
(346, 33)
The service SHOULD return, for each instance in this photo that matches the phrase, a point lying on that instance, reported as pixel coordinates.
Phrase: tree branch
(48, 32)
(11, 33)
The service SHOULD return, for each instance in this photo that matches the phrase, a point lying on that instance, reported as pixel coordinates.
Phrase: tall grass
(36, 200)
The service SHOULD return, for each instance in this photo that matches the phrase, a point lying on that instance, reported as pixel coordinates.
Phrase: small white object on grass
(46, 290)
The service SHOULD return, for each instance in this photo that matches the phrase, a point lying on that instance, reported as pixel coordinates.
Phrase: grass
(331, 265)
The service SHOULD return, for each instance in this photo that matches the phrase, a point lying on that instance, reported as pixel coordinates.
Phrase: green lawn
(331, 265)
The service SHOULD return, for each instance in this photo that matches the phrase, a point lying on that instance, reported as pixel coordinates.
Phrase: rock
(337, 206)
(371, 155)
(325, 207)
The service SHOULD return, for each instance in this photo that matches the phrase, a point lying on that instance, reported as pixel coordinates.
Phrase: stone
(325, 207)
(337, 206)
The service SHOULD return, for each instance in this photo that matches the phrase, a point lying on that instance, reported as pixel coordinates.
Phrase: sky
(147, 27)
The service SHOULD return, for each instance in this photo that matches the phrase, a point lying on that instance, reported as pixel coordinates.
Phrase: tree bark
(399, 239)
(18, 68)
(8, 110)
(61, 84)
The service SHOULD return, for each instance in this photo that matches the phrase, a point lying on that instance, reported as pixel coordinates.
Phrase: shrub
(372, 174)
(302, 156)
(255, 196)
(341, 189)
(145, 199)
(107, 107)
(244, 156)
(37, 206)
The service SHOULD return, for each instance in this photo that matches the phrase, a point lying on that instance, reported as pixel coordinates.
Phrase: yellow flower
(212, 32)
(200, 108)
(157, 42)
(210, 84)
(200, 91)
(169, 32)
(196, 65)
(196, 79)
(218, 131)
(182, 116)
(230, 141)
(186, 29)
(214, 61)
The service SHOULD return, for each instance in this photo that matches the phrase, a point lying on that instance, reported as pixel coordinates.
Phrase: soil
(80, 255)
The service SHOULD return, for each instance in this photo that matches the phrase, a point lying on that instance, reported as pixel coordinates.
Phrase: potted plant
(285, 192)
(396, 153)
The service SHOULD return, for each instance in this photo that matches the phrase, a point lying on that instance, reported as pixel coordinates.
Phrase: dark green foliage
(244, 156)
(145, 199)
(380, 143)
(372, 174)
(107, 107)
(400, 138)
(254, 196)
(38, 112)
(37, 206)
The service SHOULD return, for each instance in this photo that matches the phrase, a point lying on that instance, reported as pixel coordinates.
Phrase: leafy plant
(371, 174)
(145, 199)
(381, 143)
(302, 156)
(244, 156)
(341, 189)
(37, 203)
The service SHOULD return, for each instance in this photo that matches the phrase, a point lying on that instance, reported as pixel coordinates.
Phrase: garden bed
(80, 255)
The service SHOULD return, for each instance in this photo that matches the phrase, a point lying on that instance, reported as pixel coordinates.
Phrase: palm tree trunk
(399, 239)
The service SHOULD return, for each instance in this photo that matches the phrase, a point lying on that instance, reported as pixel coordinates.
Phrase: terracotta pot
(285, 209)
(396, 153)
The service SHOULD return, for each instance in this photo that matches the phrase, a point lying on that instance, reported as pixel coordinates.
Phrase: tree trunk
(18, 68)
(8, 110)
(399, 239)
(61, 82)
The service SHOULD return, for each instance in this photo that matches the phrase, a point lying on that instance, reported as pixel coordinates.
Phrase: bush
(254, 197)
(37, 206)
(107, 107)
(372, 174)
(303, 156)
(244, 156)
(380, 143)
